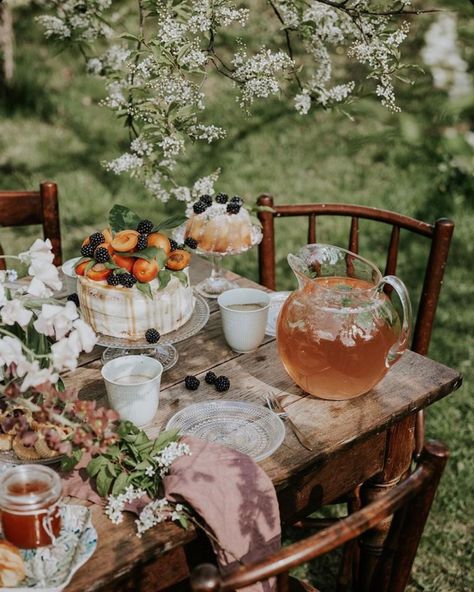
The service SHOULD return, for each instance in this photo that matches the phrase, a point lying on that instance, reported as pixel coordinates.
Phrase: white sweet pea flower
(36, 376)
(14, 312)
(46, 273)
(40, 250)
(38, 289)
(56, 320)
(10, 351)
(85, 335)
(65, 353)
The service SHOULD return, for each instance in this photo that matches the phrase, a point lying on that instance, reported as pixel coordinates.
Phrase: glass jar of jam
(29, 503)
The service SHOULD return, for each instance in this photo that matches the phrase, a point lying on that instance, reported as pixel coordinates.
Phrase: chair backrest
(439, 233)
(24, 208)
(408, 502)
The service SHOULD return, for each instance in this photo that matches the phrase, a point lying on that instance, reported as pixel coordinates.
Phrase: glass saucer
(197, 321)
(166, 354)
(249, 428)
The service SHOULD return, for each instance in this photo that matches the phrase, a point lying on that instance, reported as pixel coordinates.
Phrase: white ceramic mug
(133, 387)
(70, 277)
(243, 325)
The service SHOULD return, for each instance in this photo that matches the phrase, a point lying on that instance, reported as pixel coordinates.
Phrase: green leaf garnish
(122, 218)
(164, 277)
(149, 254)
(89, 266)
(182, 277)
(171, 222)
(145, 288)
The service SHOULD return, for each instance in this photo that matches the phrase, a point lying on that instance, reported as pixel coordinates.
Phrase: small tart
(5, 442)
(41, 445)
(12, 566)
(24, 452)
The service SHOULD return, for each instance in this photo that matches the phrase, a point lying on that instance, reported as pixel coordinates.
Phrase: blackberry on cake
(192, 383)
(114, 279)
(190, 242)
(222, 198)
(127, 280)
(199, 207)
(101, 255)
(96, 239)
(237, 199)
(145, 226)
(233, 208)
(87, 250)
(152, 336)
(142, 242)
(173, 245)
(206, 199)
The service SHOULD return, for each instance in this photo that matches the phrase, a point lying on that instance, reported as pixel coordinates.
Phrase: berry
(206, 199)
(96, 239)
(101, 255)
(191, 383)
(237, 199)
(127, 280)
(173, 245)
(87, 250)
(191, 242)
(210, 377)
(233, 208)
(145, 226)
(152, 336)
(222, 384)
(222, 198)
(199, 207)
(114, 279)
(73, 298)
(142, 242)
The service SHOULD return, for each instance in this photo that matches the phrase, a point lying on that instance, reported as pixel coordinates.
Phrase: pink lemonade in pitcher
(338, 335)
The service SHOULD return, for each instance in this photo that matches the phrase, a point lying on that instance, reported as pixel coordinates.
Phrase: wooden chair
(22, 208)
(439, 233)
(408, 502)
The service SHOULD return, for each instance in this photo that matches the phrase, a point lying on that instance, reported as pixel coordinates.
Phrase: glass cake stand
(164, 351)
(217, 282)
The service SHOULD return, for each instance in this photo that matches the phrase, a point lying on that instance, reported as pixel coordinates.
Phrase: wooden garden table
(365, 440)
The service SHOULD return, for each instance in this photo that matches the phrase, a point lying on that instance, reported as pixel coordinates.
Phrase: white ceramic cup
(133, 387)
(70, 277)
(244, 329)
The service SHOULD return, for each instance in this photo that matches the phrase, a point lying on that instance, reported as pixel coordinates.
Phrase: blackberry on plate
(206, 199)
(127, 280)
(73, 298)
(210, 377)
(145, 226)
(173, 244)
(96, 239)
(114, 279)
(142, 242)
(199, 207)
(222, 198)
(152, 335)
(191, 383)
(101, 255)
(233, 208)
(87, 250)
(191, 242)
(222, 384)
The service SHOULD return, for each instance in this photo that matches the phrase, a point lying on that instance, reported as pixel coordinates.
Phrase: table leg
(398, 457)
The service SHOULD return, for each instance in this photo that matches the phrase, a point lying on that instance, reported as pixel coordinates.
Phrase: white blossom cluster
(442, 54)
(117, 504)
(155, 512)
(169, 454)
(29, 307)
(155, 73)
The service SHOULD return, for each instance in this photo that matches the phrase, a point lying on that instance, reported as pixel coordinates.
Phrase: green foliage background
(417, 162)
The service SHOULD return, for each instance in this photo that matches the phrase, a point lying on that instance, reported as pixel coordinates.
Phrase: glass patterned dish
(50, 569)
(246, 427)
(197, 321)
(166, 354)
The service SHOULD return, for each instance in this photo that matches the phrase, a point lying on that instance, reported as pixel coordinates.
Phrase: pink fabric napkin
(230, 493)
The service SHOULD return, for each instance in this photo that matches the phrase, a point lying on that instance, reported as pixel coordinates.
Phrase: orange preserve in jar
(29, 505)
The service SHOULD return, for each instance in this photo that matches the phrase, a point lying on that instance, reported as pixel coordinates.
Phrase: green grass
(52, 128)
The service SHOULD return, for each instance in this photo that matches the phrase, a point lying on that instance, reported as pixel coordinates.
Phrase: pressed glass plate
(197, 321)
(246, 427)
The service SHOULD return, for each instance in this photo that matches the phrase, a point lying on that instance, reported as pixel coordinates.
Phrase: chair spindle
(354, 235)
(311, 229)
(392, 255)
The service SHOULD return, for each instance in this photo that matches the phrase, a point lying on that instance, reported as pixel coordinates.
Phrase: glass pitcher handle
(401, 345)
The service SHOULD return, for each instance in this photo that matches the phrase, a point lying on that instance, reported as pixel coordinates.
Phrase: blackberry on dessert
(222, 198)
(190, 242)
(145, 226)
(101, 255)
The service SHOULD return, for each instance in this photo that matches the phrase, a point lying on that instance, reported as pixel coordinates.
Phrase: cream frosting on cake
(127, 313)
(217, 231)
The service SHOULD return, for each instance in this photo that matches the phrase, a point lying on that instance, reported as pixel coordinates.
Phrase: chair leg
(349, 569)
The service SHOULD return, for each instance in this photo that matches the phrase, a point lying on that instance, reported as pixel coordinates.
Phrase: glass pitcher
(339, 333)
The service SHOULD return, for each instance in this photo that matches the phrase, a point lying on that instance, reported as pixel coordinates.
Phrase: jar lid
(29, 487)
